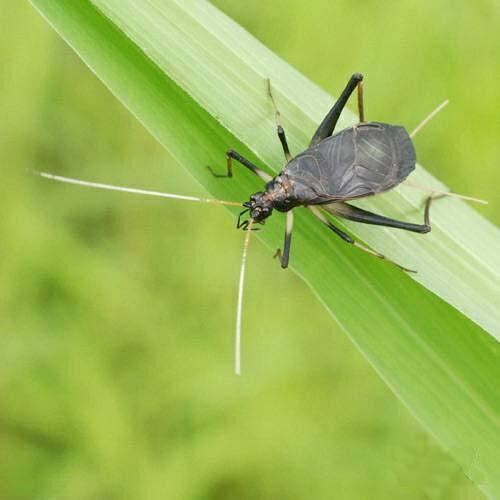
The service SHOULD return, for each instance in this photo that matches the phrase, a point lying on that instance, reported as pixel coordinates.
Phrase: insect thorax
(281, 193)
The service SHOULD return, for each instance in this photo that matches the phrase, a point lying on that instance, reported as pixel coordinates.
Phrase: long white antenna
(110, 187)
(428, 118)
(412, 184)
(237, 359)
(443, 193)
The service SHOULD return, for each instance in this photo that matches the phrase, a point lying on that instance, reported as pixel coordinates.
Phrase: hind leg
(342, 209)
(349, 240)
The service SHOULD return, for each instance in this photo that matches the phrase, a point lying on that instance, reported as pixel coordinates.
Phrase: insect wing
(367, 159)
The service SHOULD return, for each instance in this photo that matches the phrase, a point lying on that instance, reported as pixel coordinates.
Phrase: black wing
(367, 159)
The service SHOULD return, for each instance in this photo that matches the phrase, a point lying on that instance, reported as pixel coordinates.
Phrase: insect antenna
(111, 187)
(237, 358)
(433, 191)
(428, 118)
(412, 184)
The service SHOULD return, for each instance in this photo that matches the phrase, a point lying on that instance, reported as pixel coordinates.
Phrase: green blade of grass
(224, 69)
(198, 82)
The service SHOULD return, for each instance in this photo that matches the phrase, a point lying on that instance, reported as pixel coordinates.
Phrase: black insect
(357, 162)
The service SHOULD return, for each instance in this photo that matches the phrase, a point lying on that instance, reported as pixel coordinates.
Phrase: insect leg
(328, 124)
(285, 256)
(349, 240)
(350, 212)
(279, 128)
(230, 155)
(361, 108)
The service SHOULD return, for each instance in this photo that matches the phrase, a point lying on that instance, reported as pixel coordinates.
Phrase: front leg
(285, 256)
(230, 155)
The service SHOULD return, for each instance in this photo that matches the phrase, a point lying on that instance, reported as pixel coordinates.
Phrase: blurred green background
(117, 312)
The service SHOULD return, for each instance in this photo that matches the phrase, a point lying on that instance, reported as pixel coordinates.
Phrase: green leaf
(198, 82)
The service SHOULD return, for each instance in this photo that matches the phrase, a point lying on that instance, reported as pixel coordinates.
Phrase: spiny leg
(356, 214)
(349, 240)
(328, 124)
(230, 155)
(279, 128)
(285, 256)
